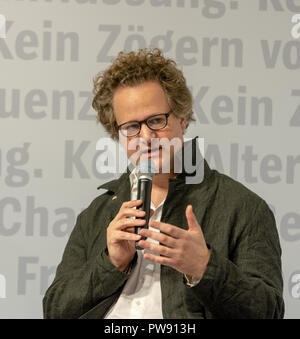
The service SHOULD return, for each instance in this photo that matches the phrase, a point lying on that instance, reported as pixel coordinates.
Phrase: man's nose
(146, 133)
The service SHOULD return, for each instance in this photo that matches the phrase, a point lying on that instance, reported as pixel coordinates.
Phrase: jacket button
(114, 197)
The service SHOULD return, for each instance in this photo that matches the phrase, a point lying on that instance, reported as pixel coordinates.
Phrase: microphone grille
(146, 166)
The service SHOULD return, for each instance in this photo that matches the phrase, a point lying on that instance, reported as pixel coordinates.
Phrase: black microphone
(145, 173)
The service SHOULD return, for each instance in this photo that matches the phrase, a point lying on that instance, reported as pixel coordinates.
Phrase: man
(212, 249)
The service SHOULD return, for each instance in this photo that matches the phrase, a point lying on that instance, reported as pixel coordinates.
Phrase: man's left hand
(183, 250)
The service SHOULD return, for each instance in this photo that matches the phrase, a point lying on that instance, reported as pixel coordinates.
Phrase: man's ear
(183, 124)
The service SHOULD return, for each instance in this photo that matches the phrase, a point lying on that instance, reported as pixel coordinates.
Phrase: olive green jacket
(243, 278)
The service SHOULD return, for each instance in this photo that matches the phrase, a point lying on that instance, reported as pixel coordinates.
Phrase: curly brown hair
(134, 68)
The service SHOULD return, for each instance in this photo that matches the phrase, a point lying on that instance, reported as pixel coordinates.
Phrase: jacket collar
(186, 177)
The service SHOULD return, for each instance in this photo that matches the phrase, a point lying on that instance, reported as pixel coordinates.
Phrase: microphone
(145, 173)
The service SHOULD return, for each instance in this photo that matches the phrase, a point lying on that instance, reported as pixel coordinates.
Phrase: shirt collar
(133, 178)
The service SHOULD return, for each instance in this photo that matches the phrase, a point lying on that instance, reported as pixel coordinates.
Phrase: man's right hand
(120, 234)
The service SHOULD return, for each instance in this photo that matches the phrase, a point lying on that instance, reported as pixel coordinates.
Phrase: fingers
(123, 224)
(191, 218)
(130, 229)
(174, 231)
(156, 248)
(121, 235)
(160, 237)
(127, 219)
(127, 210)
(128, 216)
(194, 225)
(130, 212)
(123, 229)
(132, 203)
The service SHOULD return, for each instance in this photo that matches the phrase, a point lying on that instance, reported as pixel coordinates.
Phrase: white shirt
(141, 295)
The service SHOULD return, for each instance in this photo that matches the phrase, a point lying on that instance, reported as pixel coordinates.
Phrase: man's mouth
(150, 151)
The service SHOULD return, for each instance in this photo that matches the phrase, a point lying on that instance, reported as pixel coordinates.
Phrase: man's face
(138, 103)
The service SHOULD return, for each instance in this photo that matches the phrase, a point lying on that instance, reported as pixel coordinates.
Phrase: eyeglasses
(154, 122)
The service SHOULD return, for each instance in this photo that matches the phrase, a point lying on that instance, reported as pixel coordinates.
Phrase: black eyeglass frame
(146, 122)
